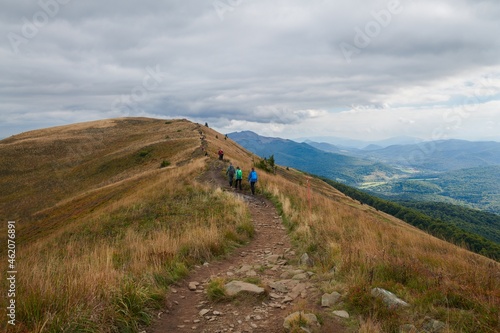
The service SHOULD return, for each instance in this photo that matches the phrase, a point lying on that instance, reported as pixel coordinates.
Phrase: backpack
(230, 170)
(252, 176)
(239, 174)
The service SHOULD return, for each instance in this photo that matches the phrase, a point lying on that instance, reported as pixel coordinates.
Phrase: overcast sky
(362, 69)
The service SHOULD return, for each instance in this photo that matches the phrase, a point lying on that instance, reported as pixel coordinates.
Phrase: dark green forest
(434, 226)
(482, 223)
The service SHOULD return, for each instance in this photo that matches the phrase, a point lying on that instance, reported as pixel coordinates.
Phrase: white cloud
(433, 123)
(275, 66)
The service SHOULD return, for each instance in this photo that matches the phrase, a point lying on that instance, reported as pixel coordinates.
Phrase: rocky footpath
(267, 286)
(265, 282)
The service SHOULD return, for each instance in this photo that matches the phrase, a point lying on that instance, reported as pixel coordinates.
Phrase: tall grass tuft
(130, 306)
(216, 291)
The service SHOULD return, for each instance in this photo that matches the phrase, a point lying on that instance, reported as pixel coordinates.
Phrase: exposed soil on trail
(268, 259)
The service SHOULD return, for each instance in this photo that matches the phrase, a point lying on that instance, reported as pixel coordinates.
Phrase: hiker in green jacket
(239, 178)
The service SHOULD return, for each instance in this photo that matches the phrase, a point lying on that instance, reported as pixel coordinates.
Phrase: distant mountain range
(445, 155)
(341, 167)
(457, 171)
(358, 144)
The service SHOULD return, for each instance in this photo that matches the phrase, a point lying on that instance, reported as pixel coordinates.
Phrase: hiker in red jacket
(221, 154)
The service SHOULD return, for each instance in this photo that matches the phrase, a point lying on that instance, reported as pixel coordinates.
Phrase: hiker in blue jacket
(252, 178)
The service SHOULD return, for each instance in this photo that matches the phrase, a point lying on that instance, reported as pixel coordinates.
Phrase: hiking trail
(268, 257)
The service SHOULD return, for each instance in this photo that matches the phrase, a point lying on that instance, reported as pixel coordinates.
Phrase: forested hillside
(476, 188)
(471, 220)
(436, 227)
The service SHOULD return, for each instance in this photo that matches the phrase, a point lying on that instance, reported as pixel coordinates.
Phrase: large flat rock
(235, 287)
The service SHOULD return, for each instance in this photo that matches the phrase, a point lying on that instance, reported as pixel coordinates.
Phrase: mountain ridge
(360, 144)
(114, 213)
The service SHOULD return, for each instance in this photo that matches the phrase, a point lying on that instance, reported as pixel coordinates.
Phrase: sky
(361, 69)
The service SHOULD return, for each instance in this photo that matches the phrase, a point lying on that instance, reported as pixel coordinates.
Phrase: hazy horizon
(319, 139)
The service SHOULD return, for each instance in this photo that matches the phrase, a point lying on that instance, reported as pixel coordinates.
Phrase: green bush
(267, 164)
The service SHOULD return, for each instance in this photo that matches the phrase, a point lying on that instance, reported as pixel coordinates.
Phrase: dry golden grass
(368, 326)
(65, 161)
(99, 254)
(103, 231)
(369, 249)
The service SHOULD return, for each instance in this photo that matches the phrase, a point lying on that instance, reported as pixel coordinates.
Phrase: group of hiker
(236, 176)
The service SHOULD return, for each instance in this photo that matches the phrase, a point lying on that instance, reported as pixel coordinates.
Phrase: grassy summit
(110, 213)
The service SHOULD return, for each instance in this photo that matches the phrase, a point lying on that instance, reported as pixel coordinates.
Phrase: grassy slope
(366, 248)
(103, 231)
(65, 161)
